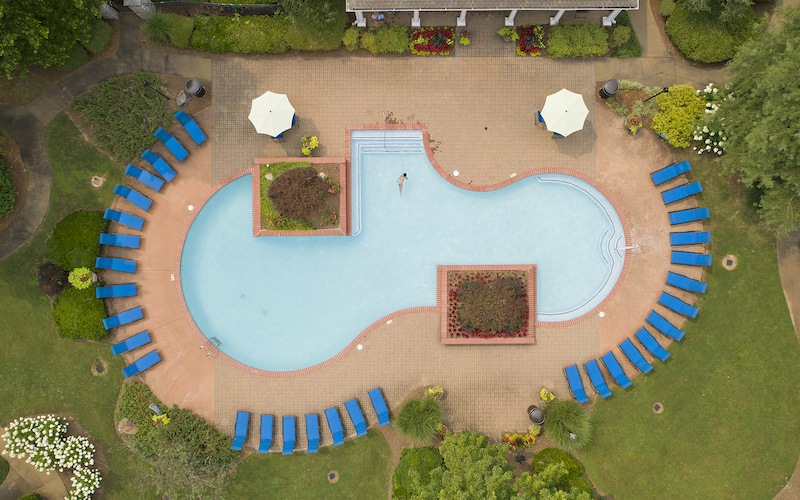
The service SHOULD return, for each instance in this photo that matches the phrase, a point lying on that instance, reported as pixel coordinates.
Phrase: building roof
(484, 5)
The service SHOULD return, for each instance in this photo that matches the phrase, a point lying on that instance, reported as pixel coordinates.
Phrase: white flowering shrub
(42, 439)
(709, 135)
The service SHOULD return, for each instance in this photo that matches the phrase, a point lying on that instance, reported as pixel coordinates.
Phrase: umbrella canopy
(564, 112)
(271, 113)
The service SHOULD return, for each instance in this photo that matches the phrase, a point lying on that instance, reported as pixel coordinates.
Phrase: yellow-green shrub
(678, 111)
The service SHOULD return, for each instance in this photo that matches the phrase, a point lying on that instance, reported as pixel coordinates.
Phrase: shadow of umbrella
(579, 143)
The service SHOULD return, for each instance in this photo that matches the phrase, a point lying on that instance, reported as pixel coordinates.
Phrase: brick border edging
(493, 187)
(344, 197)
(443, 301)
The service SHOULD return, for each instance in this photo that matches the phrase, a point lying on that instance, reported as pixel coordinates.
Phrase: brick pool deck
(479, 112)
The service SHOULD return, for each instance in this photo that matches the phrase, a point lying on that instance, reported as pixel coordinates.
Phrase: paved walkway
(23, 478)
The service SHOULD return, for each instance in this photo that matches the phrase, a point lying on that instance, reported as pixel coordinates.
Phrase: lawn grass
(363, 464)
(730, 391)
(43, 373)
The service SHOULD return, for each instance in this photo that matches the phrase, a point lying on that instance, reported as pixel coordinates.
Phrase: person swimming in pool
(400, 181)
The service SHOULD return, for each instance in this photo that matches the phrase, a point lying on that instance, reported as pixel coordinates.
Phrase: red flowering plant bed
(531, 40)
(432, 41)
(487, 304)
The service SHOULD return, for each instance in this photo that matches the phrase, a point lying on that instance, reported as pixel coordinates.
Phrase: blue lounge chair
(141, 364)
(670, 172)
(131, 343)
(288, 435)
(312, 432)
(115, 264)
(119, 240)
(125, 317)
(651, 344)
(335, 425)
(113, 291)
(691, 258)
(379, 405)
(635, 357)
(161, 166)
(154, 182)
(575, 383)
(681, 192)
(686, 283)
(689, 215)
(356, 416)
(597, 379)
(191, 127)
(265, 441)
(664, 326)
(240, 430)
(615, 369)
(675, 304)
(124, 218)
(689, 238)
(174, 146)
(133, 196)
(539, 117)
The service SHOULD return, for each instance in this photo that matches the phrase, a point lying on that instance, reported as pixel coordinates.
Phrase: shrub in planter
(500, 305)
(567, 417)
(432, 41)
(385, 40)
(351, 39)
(75, 240)
(418, 418)
(630, 48)
(531, 40)
(620, 35)
(678, 112)
(80, 278)
(298, 193)
(576, 40)
(78, 314)
(575, 478)
(8, 195)
(415, 464)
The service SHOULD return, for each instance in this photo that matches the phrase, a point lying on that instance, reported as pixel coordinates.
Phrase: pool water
(287, 303)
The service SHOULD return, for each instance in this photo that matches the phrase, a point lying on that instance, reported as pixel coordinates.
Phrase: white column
(555, 19)
(462, 19)
(510, 17)
(415, 20)
(361, 21)
(610, 20)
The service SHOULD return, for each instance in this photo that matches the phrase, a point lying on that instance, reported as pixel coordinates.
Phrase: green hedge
(576, 478)
(385, 40)
(678, 112)
(124, 113)
(576, 40)
(187, 457)
(630, 48)
(703, 37)
(169, 28)
(8, 195)
(240, 34)
(100, 37)
(79, 315)
(414, 462)
(75, 240)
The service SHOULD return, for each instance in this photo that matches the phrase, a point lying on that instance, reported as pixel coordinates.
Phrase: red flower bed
(457, 327)
(531, 40)
(428, 41)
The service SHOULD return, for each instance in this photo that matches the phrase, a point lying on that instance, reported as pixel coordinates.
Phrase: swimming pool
(287, 303)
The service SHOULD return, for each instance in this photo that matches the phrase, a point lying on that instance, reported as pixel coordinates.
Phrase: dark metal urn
(194, 87)
(610, 88)
(536, 415)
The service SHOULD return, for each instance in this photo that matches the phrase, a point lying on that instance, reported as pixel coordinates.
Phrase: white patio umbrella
(271, 113)
(564, 112)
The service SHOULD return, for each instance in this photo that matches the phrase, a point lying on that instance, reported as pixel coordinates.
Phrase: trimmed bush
(315, 25)
(629, 48)
(8, 195)
(565, 417)
(418, 419)
(254, 34)
(187, 457)
(100, 37)
(211, 34)
(576, 478)
(169, 28)
(76, 57)
(75, 240)
(620, 35)
(79, 315)
(124, 113)
(667, 8)
(678, 112)
(298, 193)
(415, 464)
(385, 40)
(500, 305)
(704, 37)
(351, 39)
(576, 40)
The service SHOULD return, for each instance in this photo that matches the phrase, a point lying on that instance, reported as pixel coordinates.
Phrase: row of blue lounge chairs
(312, 425)
(132, 221)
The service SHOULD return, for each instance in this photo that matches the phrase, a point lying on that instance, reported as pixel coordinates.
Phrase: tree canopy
(762, 121)
(42, 32)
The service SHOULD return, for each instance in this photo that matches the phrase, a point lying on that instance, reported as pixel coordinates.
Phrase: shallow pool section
(288, 303)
